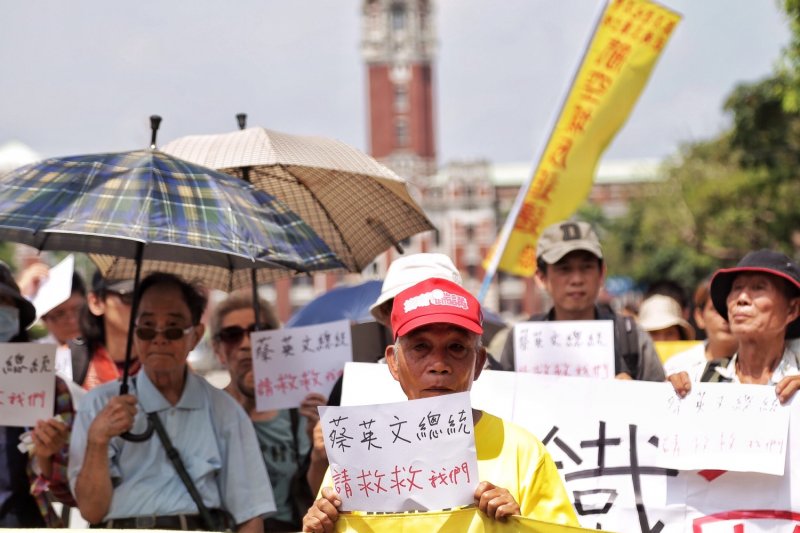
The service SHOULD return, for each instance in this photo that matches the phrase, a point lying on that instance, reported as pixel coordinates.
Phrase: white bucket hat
(407, 271)
(661, 312)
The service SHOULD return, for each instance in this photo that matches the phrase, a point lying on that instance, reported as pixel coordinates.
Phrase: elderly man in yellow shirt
(437, 327)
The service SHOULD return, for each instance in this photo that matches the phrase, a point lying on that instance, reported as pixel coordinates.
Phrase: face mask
(9, 322)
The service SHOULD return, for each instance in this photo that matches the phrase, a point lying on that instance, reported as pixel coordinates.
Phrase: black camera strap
(177, 462)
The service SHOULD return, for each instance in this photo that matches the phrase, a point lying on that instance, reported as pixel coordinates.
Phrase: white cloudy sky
(83, 76)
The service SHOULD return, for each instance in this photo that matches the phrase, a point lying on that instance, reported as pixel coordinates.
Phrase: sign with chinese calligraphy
(614, 443)
(582, 348)
(627, 41)
(27, 382)
(290, 363)
(413, 455)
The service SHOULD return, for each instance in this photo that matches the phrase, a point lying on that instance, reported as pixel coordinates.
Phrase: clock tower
(398, 46)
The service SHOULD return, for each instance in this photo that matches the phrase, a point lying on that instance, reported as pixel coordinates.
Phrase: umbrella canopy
(352, 302)
(359, 207)
(164, 210)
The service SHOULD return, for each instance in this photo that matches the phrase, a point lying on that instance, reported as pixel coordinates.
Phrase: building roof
(609, 171)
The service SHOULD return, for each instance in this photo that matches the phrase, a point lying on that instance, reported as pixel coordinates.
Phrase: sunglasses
(171, 334)
(234, 334)
(125, 297)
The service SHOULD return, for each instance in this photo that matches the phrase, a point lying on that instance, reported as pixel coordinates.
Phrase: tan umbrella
(359, 207)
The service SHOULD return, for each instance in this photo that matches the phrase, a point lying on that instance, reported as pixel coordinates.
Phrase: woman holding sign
(760, 299)
(284, 436)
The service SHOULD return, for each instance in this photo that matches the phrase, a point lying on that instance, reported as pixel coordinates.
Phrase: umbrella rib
(322, 206)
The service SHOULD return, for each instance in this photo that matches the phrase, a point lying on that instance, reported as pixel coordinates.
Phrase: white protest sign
(609, 437)
(582, 348)
(741, 428)
(57, 288)
(27, 383)
(290, 363)
(405, 456)
(64, 362)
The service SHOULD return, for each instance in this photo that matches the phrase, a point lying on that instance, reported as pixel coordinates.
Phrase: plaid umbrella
(359, 207)
(161, 211)
(182, 218)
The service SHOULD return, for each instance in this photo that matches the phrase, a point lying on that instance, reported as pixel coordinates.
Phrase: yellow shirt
(512, 458)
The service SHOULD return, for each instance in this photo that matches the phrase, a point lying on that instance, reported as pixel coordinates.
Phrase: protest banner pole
(508, 225)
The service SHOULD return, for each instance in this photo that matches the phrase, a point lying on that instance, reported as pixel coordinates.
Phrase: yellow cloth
(512, 458)
(666, 349)
(468, 520)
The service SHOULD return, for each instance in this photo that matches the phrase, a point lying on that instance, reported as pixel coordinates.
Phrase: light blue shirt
(215, 439)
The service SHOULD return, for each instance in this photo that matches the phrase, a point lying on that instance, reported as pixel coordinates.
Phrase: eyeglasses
(62, 315)
(171, 334)
(234, 334)
(125, 297)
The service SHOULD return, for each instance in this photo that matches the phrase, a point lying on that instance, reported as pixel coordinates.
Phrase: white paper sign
(722, 427)
(27, 383)
(57, 288)
(581, 348)
(405, 456)
(608, 439)
(290, 363)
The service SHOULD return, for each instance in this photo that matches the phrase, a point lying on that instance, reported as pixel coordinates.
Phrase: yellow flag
(628, 39)
(469, 520)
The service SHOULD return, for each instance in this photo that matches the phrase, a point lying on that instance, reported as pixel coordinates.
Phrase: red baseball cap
(435, 301)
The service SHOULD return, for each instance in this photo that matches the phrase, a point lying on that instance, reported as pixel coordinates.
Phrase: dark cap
(9, 288)
(760, 262)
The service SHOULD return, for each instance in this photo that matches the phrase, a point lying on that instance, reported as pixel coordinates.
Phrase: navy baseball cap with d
(435, 301)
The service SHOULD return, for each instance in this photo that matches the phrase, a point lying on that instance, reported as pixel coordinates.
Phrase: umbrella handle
(140, 437)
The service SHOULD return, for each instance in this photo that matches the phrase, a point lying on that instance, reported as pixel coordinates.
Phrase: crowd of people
(177, 453)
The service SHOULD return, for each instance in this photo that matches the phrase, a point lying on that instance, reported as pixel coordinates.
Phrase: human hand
(681, 383)
(322, 516)
(786, 388)
(308, 408)
(114, 419)
(31, 279)
(49, 436)
(496, 502)
(623, 375)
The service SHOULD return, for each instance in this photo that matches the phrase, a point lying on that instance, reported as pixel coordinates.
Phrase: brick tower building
(398, 48)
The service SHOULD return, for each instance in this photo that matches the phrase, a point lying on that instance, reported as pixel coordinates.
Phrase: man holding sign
(437, 328)
(570, 265)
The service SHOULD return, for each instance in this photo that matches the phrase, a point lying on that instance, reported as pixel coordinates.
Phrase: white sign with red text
(413, 455)
(27, 383)
(578, 348)
(289, 364)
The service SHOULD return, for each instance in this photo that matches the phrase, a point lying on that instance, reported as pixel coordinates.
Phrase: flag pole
(508, 225)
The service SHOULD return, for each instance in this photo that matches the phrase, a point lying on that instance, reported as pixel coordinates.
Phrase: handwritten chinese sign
(718, 426)
(407, 456)
(27, 383)
(581, 348)
(288, 364)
